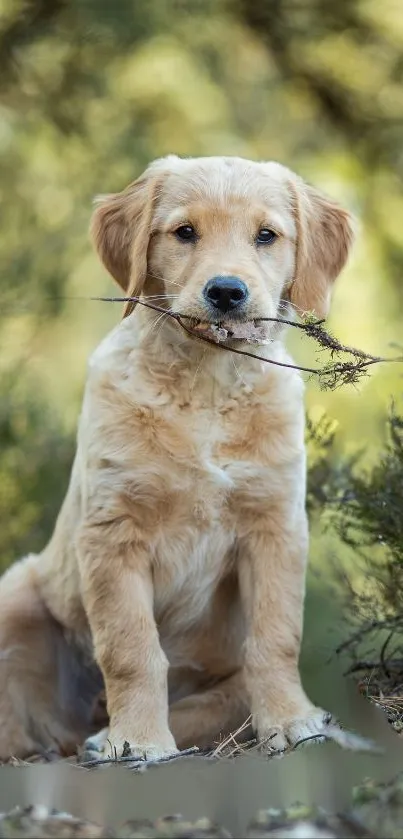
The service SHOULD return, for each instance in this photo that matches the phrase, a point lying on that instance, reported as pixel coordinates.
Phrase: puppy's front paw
(285, 734)
(140, 750)
(110, 744)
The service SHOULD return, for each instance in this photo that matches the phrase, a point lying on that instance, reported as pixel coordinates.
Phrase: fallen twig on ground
(138, 763)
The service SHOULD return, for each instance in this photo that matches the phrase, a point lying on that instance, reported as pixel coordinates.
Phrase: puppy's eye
(265, 236)
(186, 233)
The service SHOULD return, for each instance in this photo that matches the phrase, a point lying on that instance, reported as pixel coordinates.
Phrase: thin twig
(356, 637)
(231, 740)
(344, 739)
(383, 652)
(179, 317)
(330, 376)
(137, 763)
(320, 737)
(359, 666)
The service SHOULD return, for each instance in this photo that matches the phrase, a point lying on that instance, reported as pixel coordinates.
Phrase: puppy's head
(223, 239)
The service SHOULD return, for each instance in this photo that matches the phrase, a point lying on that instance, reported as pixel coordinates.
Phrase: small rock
(297, 822)
(171, 827)
(41, 823)
(378, 808)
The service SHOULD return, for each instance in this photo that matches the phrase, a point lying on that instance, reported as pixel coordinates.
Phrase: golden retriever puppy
(175, 575)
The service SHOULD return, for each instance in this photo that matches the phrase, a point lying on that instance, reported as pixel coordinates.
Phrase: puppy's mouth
(230, 331)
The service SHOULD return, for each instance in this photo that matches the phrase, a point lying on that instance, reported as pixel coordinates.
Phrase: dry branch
(330, 376)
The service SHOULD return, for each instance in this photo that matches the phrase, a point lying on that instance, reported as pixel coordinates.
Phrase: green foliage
(351, 65)
(364, 504)
(35, 463)
(369, 519)
(322, 477)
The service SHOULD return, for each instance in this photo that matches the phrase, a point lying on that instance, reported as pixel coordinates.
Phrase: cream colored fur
(175, 575)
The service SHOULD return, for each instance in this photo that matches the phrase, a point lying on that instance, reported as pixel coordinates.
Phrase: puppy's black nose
(225, 293)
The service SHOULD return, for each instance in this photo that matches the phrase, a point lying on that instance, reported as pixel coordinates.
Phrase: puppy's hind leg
(40, 673)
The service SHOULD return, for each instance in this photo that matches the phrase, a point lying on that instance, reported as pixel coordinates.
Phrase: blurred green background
(90, 92)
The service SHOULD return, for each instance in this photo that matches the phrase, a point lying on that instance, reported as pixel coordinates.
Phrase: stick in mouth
(232, 330)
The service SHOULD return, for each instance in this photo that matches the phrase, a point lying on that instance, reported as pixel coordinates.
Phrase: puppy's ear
(121, 228)
(325, 233)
